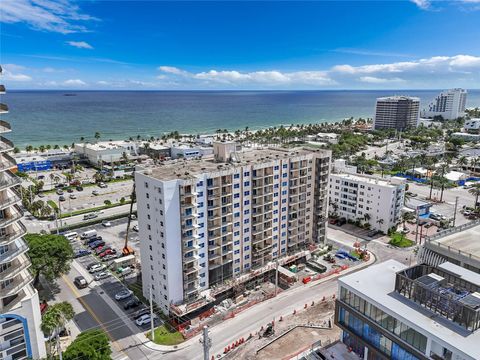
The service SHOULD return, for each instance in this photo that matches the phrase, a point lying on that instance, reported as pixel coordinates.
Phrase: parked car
(102, 275)
(141, 312)
(341, 221)
(70, 190)
(79, 188)
(101, 248)
(135, 228)
(133, 217)
(107, 252)
(90, 216)
(80, 282)
(73, 196)
(126, 271)
(95, 192)
(332, 221)
(106, 223)
(89, 234)
(82, 252)
(124, 294)
(109, 257)
(405, 231)
(372, 233)
(428, 225)
(145, 319)
(41, 195)
(59, 192)
(102, 185)
(61, 198)
(96, 268)
(96, 244)
(132, 303)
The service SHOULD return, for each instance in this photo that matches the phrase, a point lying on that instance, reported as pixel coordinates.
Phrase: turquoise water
(50, 117)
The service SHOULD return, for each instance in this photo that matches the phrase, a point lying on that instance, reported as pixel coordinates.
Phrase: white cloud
(74, 82)
(422, 4)
(377, 80)
(80, 44)
(11, 73)
(172, 70)
(60, 16)
(102, 82)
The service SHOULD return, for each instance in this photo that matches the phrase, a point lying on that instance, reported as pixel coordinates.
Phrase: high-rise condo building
(449, 104)
(20, 334)
(393, 312)
(205, 221)
(396, 112)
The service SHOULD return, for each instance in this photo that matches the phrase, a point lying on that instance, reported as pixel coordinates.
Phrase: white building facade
(396, 112)
(20, 319)
(106, 152)
(449, 104)
(203, 222)
(472, 126)
(369, 199)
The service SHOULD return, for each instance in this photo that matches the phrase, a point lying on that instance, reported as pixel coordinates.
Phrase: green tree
(407, 216)
(475, 191)
(55, 319)
(97, 136)
(50, 256)
(89, 345)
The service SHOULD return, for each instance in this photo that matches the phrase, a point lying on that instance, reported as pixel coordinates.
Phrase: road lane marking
(92, 313)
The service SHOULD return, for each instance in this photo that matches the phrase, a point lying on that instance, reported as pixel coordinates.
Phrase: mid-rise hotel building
(209, 220)
(449, 104)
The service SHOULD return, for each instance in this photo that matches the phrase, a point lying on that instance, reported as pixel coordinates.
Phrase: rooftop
(398, 97)
(105, 145)
(377, 284)
(461, 240)
(390, 182)
(187, 169)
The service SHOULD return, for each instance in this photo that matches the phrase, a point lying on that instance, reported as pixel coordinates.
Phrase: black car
(132, 303)
(79, 188)
(341, 221)
(141, 312)
(70, 190)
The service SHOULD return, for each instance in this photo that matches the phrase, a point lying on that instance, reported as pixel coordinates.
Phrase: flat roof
(186, 169)
(377, 284)
(370, 180)
(105, 145)
(464, 239)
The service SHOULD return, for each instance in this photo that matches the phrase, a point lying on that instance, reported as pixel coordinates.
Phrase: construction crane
(127, 250)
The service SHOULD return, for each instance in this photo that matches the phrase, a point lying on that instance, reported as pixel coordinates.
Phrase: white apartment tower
(205, 221)
(370, 199)
(396, 112)
(450, 104)
(20, 334)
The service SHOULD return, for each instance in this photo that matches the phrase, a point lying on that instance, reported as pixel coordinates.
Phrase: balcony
(17, 266)
(6, 162)
(3, 108)
(2, 89)
(19, 230)
(5, 127)
(15, 215)
(16, 286)
(8, 180)
(190, 269)
(9, 198)
(5, 144)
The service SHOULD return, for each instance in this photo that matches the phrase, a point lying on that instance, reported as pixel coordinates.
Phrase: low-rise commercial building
(391, 311)
(370, 199)
(472, 126)
(205, 221)
(466, 136)
(189, 151)
(106, 152)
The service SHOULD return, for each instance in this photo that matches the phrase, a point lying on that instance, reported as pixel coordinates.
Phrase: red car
(101, 249)
(107, 252)
(332, 221)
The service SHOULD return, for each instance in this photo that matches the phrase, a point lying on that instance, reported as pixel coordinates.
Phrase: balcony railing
(13, 252)
(3, 108)
(11, 199)
(12, 236)
(5, 127)
(5, 144)
(9, 180)
(16, 268)
(6, 162)
(16, 286)
(16, 215)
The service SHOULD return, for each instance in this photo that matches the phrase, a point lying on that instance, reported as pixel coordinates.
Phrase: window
(236, 176)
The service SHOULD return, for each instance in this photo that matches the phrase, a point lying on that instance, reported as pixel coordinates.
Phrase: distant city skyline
(329, 45)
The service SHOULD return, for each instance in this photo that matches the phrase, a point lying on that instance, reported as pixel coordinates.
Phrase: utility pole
(207, 343)
(455, 212)
(416, 229)
(152, 325)
(276, 276)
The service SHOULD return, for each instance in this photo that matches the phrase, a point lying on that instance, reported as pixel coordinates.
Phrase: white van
(70, 236)
(89, 234)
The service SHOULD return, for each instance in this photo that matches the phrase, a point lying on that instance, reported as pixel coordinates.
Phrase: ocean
(50, 117)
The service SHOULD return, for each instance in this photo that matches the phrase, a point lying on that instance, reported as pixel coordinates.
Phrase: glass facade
(384, 320)
(371, 336)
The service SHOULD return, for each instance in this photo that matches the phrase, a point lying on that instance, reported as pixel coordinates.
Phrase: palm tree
(29, 148)
(462, 161)
(443, 169)
(97, 136)
(475, 191)
(407, 216)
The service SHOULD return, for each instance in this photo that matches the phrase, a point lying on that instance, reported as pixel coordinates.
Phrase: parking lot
(111, 281)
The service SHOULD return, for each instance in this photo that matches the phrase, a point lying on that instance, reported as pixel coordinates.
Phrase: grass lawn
(165, 337)
(399, 240)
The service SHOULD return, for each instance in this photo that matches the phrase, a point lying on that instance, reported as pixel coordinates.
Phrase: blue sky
(67, 44)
